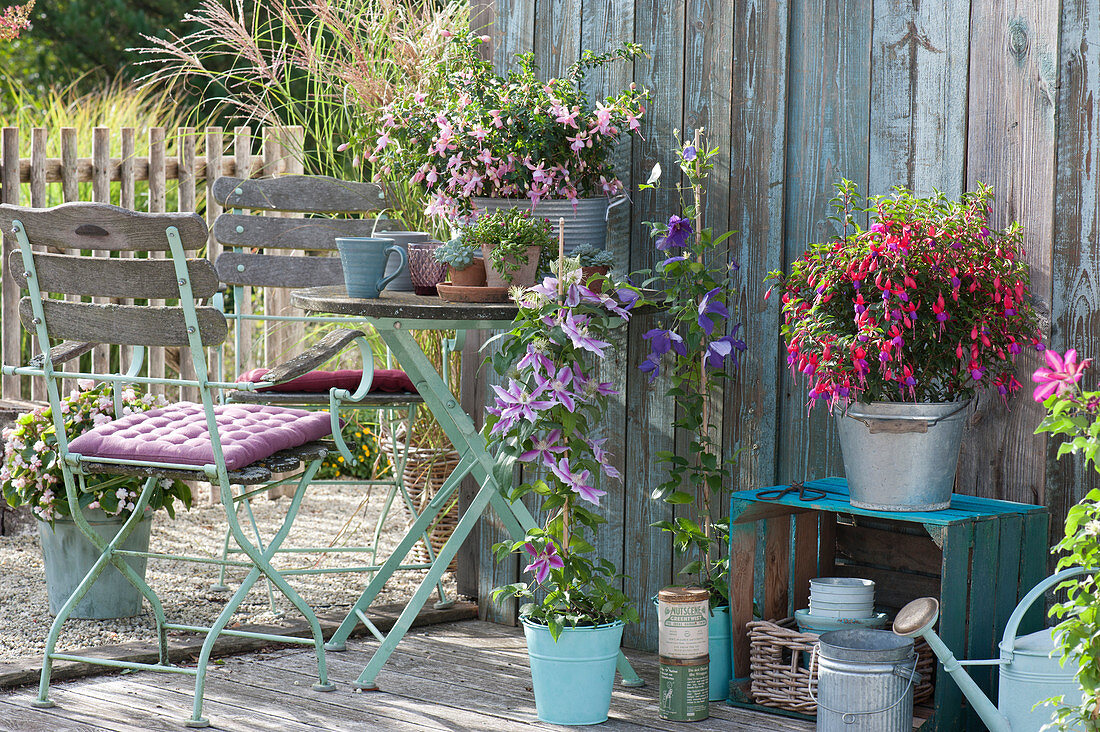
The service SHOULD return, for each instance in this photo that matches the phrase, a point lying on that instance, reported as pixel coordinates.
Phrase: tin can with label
(684, 688)
(683, 614)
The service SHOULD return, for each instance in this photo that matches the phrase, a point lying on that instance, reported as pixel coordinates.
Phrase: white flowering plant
(31, 473)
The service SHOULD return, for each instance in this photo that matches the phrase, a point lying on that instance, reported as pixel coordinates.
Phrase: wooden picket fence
(182, 167)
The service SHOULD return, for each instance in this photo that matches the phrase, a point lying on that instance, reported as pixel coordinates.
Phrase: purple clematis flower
(662, 341)
(515, 403)
(627, 297)
(603, 457)
(690, 152)
(545, 447)
(676, 235)
(728, 346)
(586, 388)
(577, 482)
(535, 361)
(542, 562)
(651, 365)
(663, 265)
(708, 306)
(576, 328)
(556, 386)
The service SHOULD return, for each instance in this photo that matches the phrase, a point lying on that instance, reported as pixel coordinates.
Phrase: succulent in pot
(514, 244)
(911, 317)
(594, 263)
(465, 267)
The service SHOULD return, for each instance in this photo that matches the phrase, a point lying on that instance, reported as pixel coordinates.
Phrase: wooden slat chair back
(159, 444)
(256, 254)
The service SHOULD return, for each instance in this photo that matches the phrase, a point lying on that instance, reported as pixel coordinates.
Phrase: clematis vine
(542, 561)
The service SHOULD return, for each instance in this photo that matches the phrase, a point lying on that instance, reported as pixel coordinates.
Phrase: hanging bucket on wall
(901, 456)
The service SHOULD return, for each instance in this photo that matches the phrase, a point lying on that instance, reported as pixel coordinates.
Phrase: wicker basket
(425, 471)
(779, 658)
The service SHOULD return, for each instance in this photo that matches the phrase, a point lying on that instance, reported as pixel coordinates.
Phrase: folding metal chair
(225, 444)
(256, 256)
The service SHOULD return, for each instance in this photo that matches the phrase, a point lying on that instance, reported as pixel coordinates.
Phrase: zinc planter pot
(585, 225)
(68, 555)
(721, 668)
(523, 277)
(573, 676)
(901, 456)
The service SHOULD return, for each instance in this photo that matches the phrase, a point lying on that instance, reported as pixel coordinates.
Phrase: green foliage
(362, 436)
(1074, 415)
(69, 39)
(509, 233)
(32, 473)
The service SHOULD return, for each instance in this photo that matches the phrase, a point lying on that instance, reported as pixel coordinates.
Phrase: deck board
(468, 675)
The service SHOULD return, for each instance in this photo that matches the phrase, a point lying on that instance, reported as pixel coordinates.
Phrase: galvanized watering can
(1028, 672)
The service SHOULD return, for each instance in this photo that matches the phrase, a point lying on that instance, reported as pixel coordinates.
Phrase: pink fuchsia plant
(929, 304)
(473, 132)
(547, 416)
(31, 474)
(1073, 414)
(14, 20)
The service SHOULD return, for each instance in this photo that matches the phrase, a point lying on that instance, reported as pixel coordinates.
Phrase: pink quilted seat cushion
(319, 382)
(178, 434)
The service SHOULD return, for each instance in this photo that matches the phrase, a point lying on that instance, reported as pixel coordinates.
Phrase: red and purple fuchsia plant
(1074, 415)
(929, 304)
(696, 343)
(548, 417)
(476, 133)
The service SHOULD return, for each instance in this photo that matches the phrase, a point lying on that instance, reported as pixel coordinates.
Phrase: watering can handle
(1034, 594)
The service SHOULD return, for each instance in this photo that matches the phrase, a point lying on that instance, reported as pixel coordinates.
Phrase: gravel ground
(184, 587)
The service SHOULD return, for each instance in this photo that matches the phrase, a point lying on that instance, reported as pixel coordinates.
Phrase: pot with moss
(465, 268)
(513, 243)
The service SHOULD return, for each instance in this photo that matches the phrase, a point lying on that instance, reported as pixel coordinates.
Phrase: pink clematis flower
(1062, 374)
(545, 447)
(577, 482)
(542, 562)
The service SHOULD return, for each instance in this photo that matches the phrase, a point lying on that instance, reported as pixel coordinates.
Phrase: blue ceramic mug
(364, 261)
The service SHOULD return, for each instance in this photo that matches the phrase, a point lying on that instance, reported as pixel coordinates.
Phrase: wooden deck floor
(458, 676)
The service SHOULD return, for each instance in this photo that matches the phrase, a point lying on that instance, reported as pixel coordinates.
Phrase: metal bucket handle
(908, 673)
(616, 201)
(881, 423)
(1034, 594)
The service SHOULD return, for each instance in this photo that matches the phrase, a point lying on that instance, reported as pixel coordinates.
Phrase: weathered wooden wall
(799, 93)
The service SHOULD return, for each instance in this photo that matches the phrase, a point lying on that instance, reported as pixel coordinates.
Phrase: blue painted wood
(963, 508)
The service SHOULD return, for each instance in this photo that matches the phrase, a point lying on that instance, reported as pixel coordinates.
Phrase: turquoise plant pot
(68, 556)
(573, 676)
(721, 669)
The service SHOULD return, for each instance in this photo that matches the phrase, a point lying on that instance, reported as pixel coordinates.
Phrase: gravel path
(184, 587)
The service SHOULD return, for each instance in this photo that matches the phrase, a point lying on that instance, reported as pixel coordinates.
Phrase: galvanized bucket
(68, 556)
(865, 681)
(587, 224)
(900, 456)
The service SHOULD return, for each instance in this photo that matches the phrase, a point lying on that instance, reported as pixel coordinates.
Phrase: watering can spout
(916, 620)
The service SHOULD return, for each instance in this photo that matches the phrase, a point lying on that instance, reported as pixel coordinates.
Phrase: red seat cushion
(319, 382)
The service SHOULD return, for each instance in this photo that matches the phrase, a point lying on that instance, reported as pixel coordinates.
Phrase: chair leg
(260, 544)
(220, 585)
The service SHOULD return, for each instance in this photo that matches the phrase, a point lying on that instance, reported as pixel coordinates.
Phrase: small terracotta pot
(472, 276)
(600, 275)
(523, 277)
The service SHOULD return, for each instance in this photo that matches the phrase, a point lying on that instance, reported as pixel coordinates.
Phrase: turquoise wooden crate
(979, 557)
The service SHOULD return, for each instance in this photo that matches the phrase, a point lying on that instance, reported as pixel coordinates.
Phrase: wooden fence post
(38, 200)
(242, 155)
(185, 146)
(157, 204)
(101, 192)
(9, 292)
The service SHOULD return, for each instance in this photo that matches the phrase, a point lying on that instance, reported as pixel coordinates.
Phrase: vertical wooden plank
(954, 586)
(157, 204)
(742, 568)
(1075, 302)
(185, 150)
(826, 549)
(1008, 574)
(293, 141)
(242, 154)
(1013, 78)
(804, 566)
(127, 199)
(658, 28)
(980, 642)
(606, 24)
(827, 139)
(918, 97)
(558, 36)
(9, 292)
(513, 31)
(101, 192)
(472, 393)
(38, 200)
(272, 297)
(214, 143)
(1033, 567)
(757, 199)
(70, 189)
(777, 568)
